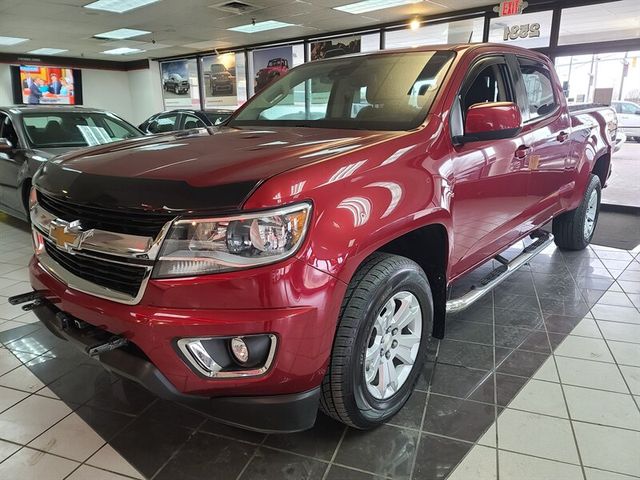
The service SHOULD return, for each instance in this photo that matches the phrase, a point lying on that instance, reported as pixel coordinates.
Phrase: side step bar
(500, 274)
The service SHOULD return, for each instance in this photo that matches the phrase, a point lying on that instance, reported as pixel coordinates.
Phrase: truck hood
(212, 169)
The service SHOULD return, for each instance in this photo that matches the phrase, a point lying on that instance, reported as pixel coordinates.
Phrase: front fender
(362, 201)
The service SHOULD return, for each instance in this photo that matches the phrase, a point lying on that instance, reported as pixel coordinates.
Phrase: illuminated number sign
(528, 30)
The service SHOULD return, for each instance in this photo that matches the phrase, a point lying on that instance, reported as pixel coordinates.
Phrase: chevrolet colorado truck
(301, 256)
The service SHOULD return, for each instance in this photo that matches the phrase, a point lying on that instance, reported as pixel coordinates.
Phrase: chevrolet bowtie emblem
(66, 235)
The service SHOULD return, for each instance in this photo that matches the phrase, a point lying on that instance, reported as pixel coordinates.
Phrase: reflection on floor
(536, 382)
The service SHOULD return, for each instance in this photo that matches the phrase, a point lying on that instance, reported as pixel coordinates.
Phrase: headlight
(211, 245)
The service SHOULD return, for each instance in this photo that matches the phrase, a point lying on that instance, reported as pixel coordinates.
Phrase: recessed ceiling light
(47, 51)
(118, 6)
(121, 33)
(373, 5)
(12, 40)
(261, 26)
(122, 51)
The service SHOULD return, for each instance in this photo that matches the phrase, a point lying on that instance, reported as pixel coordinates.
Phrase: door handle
(522, 152)
(562, 136)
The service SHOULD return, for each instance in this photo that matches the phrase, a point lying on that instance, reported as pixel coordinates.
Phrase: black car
(176, 84)
(184, 119)
(31, 135)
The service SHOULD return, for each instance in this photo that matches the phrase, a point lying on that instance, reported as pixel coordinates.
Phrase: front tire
(380, 345)
(574, 230)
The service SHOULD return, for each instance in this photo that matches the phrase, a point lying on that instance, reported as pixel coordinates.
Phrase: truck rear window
(374, 92)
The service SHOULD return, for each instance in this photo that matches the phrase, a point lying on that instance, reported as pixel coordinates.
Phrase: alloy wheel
(590, 215)
(393, 345)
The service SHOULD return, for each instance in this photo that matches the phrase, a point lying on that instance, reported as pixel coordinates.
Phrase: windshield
(376, 92)
(75, 129)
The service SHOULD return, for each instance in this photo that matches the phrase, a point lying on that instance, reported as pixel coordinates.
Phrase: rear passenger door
(546, 133)
(490, 201)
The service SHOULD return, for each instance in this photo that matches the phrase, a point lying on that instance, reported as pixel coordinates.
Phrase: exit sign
(510, 7)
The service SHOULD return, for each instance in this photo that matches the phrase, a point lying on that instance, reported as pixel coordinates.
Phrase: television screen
(47, 85)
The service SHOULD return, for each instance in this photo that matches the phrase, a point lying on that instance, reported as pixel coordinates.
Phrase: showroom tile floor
(541, 380)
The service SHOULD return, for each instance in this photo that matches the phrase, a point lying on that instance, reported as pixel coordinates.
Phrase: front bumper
(274, 413)
(291, 300)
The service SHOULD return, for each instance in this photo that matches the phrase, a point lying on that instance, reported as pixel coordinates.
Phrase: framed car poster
(269, 64)
(224, 82)
(335, 47)
(180, 84)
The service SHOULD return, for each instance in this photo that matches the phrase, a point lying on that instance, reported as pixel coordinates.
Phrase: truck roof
(455, 47)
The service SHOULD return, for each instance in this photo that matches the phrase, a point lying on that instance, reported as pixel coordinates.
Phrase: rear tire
(574, 230)
(380, 345)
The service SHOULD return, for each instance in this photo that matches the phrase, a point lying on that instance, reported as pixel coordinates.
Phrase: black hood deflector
(151, 195)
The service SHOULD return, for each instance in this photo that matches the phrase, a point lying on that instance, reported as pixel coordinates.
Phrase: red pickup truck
(302, 255)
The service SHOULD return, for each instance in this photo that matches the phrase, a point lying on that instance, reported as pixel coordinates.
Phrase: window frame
(477, 66)
(525, 107)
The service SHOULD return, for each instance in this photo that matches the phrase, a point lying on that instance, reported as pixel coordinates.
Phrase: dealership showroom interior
(319, 239)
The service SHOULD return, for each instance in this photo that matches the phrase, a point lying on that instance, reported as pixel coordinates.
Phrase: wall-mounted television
(46, 85)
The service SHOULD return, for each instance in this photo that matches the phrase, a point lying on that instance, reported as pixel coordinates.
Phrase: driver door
(490, 177)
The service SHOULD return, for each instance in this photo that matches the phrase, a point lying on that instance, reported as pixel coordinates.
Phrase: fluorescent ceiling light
(118, 6)
(122, 51)
(47, 51)
(12, 40)
(121, 33)
(261, 26)
(373, 5)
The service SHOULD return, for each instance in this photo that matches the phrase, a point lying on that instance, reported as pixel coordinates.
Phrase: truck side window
(488, 86)
(539, 88)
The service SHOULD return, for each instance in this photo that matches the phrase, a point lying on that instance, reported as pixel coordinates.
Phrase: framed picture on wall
(335, 47)
(223, 80)
(180, 84)
(270, 64)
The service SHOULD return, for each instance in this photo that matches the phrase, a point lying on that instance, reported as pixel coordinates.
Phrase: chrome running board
(500, 274)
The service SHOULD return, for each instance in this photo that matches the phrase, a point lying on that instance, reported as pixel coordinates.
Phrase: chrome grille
(118, 277)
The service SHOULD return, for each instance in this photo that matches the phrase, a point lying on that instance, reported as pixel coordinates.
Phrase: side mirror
(5, 145)
(637, 112)
(492, 121)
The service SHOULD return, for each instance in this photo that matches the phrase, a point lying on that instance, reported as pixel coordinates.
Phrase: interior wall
(107, 90)
(6, 97)
(132, 95)
(146, 93)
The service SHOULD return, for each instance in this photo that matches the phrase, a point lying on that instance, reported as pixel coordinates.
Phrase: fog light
(202, 357)
(239, 350)
(229, 357)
